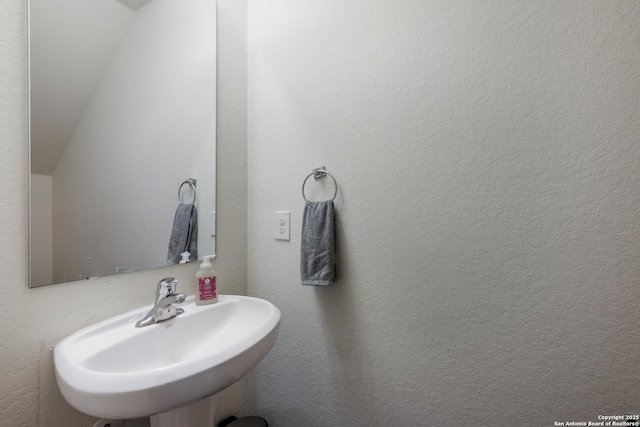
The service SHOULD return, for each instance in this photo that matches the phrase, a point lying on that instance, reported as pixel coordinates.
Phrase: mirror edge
(28, 168)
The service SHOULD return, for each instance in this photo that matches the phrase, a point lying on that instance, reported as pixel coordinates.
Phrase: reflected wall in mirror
(122, 112)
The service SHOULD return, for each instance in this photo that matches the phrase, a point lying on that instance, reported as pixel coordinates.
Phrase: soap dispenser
(185, 257)
(206, 277)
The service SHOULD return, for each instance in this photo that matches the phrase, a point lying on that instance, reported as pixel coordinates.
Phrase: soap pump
(185, 257)
(207, 292)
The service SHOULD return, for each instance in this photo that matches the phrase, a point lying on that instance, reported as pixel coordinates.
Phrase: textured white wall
(33, 320)
(489, 236)
(149, 126)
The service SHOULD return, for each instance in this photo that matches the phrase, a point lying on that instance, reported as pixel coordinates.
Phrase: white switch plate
(282, 225)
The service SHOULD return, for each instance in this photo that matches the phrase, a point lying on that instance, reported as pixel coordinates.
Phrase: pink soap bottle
(207, 284)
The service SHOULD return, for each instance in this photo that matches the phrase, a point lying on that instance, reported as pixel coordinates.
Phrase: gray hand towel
(184, 234)
(318, 249)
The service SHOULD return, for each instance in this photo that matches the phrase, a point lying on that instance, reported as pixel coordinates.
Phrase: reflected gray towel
(318, 249)
(184, 234)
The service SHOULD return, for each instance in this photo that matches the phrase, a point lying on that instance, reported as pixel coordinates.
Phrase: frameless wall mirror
(122, 113)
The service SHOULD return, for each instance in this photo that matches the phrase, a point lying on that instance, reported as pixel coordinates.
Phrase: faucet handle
(166, 287)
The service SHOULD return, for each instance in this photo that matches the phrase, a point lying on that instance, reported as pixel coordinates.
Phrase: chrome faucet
(164, 308)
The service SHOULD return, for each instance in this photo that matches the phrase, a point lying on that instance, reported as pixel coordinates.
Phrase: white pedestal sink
(170, 370)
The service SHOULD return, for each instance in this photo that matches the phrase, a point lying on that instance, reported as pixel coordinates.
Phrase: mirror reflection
(122, 115)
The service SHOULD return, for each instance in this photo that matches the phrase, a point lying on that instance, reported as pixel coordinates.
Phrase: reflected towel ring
(192, 183)
(317, 174)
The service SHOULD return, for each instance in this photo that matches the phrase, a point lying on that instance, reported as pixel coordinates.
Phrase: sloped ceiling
(71, 42)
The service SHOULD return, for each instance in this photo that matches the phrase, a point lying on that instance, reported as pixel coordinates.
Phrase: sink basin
(115, 370)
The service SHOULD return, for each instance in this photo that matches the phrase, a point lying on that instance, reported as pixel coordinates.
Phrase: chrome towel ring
(191, 183)
(317, 174)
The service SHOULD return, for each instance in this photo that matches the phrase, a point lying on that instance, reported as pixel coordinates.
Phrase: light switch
(213, 223)
(282, 225)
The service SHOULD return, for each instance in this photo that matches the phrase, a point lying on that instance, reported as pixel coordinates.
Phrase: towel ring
(191, 183)
(317, 174)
